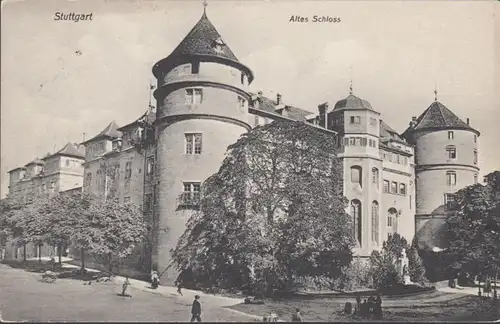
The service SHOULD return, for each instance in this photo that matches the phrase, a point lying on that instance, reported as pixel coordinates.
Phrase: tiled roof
(36, 161)
(201, 40)
(387, 132)
(110, 131)
(149, 116)
(352, 102)
(438, 116)
(268, 105)
(71, 149)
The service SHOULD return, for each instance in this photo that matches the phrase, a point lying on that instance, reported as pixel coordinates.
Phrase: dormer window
(219, 44)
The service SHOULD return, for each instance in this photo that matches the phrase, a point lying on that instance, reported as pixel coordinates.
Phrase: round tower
(446, 161)
(202, 107)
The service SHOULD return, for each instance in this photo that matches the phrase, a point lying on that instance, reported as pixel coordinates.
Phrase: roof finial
(435, 93)
(350, 81)
(205, 4)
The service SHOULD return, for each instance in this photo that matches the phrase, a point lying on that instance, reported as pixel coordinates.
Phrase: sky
(60, 79)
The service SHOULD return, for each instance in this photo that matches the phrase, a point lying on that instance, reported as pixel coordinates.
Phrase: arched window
(375, 222)
(391, 221)
(356, 172)
(356, 216)
(375, 177)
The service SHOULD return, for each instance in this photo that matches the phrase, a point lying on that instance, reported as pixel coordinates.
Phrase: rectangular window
(451, 178)
(186, 69)
(194, 96)
(128, 170)
(402, 189)
(449, 200)
(451, 135)
(195, 67)
(150, 166)
(242, 78)
(191, 193)
(475, 178)
(373, 121)
(389, 221)
(394, 187)
(386, 186)
(147, 203)
(346, 141)
(356, 175)
(88, 179)
(241, 102)
(352, 141)
(53, 186)
(398, 159)
(126, 200)
(364, 141)
(475, 156)
(410, 202)
(475, 138)
(193, 143)
(451, 152)
(355, 120)
(67, 163)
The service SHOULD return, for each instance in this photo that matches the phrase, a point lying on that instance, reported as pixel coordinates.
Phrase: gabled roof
(352, 102)
(71, 150)
(15, 169)
(36, 161)
(111, 131)
(438, 117)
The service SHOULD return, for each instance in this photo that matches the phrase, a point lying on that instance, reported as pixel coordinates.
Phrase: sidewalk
(187, 294)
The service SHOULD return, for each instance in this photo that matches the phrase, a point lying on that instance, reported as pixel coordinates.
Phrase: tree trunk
(110, 260)
(82, 255)
(39, 252)
(59, 252)
(24, 252)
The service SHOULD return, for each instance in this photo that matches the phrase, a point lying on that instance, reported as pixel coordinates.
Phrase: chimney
(467, 121)
(413, 122)
(259, 93)
(414, 118)
(322, 114)
(278, 99)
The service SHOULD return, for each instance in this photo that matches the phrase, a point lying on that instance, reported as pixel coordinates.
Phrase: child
(297, 317)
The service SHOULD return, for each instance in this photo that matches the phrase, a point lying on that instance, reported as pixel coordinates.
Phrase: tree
(474, 228)
(415, 264)
(273, 212)
(103, 227)
(11, 221)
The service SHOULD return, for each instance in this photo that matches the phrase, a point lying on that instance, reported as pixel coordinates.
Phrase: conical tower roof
(438, 117)
(203, 40)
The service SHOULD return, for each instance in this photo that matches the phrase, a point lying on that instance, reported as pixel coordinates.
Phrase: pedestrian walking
(196, 310)
(378, 307)
(297, 316)
(179, 288)
(124, 287)
(155, 280)
(358, 305)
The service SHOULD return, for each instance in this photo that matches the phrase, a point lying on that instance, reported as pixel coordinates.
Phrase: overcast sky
(398, 52)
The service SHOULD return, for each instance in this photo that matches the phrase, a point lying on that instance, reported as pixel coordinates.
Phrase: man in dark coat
(196, 310)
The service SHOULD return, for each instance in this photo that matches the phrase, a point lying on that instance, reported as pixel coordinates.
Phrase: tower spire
(350, 80)
(435, 93)
(205, 4)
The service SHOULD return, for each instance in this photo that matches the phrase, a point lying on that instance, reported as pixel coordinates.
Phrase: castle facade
(394, 183)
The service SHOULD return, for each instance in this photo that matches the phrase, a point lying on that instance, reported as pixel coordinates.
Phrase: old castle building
(394, 183)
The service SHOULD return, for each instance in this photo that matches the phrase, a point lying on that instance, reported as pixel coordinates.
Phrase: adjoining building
(59, 172)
